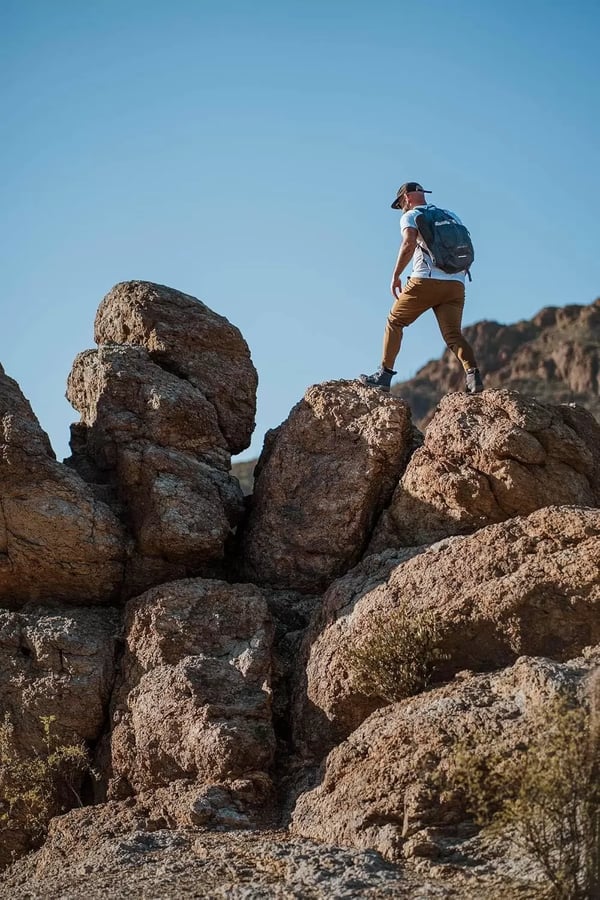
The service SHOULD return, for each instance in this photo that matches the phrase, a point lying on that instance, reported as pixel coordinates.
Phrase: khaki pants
(446, 299)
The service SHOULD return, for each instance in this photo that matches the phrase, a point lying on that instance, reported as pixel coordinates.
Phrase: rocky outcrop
(56, 664)
(185, 337)
(56, 539)
(157, 440)
(554, 357)
(526, 586)
(322, 480)
(488, 458)
(160, 415)
(193, 703)
(380, 788)
(227, 695)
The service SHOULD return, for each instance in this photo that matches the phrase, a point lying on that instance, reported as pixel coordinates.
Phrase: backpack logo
(447, 242)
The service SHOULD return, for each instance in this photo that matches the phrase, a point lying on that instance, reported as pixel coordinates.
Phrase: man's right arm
(407, 248)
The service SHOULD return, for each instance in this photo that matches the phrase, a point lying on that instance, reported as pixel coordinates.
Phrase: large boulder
(194, 697)
(185, 337)
(527, 586)
(56, 539)
(56, 666)
(383, 788)
(156, 438)
(322, 480)
(488, 458)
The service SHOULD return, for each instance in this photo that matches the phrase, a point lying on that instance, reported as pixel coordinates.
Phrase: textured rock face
(55, 662)
(185, 337)
(158, 439)
(56, 539)
(555, 357)
(118, 851)
(526, 586)
(488, 458)
(378, 788)
(194, 701)
(324, 476)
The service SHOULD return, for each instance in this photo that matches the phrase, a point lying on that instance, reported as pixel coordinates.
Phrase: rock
(157, 439)
(125, 398)
(322, 480)
(526, 586)
(56, 539)
(186, 338)
(380, 789)
(56, 663)
(488, 458)
(554, 357)
(114, 850)
(194, 698)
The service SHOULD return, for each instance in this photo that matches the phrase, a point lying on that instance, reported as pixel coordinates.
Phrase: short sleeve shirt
(422, 267)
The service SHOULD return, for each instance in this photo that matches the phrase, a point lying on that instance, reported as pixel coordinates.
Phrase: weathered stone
(124, 398)
(194, 701)
(322, 480)
(185, 337)
(56, 539)
(526, 586)
(120, 850)
(379, 789)
(157, 439)
(488, 458)
(56, 664)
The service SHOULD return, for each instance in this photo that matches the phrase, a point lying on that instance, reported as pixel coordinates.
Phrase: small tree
(38, 786)
(546, 797)
(398, 655)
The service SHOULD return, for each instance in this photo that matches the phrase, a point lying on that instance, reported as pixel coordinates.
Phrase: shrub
(545, 798)
(398, 655)
(36, 787)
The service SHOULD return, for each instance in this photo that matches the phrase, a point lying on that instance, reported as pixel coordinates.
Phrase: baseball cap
(407, 188)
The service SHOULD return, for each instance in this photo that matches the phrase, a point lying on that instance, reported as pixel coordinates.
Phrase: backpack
(447, 242)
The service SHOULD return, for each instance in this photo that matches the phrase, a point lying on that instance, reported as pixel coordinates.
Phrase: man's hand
(396, 286)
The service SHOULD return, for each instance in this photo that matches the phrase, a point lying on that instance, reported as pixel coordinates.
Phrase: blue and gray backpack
(447, 242)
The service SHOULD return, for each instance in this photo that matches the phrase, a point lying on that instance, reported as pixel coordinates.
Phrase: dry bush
(398, 655)
(37, 787)
(545, 798)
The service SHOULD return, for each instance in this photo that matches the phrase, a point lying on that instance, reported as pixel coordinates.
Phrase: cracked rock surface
(56, 539)
(526, 586)
(488, 458)
(193, 701)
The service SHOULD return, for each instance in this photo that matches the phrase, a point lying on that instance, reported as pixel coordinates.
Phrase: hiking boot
(381, 379)
(474, 383)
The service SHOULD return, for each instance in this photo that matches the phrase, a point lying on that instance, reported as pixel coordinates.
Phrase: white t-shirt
(421, 262)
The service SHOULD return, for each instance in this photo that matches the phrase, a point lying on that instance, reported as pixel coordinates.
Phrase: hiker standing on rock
(442, 252)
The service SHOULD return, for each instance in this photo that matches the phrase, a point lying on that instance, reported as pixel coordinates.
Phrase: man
(428, 287)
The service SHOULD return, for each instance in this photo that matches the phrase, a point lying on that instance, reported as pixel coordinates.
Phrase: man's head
(409, 195)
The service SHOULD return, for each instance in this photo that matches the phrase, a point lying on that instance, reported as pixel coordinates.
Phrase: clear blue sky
(247, 152)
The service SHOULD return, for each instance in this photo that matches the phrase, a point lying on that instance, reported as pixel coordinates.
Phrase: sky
(247, 152)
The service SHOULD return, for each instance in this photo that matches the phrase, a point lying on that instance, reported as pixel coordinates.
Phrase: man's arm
(407, 248)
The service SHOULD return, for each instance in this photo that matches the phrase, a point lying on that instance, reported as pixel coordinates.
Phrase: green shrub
(545, 798)
(397, 656)
(39, 786)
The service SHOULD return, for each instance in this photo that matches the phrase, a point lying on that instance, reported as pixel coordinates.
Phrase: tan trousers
(446, 299)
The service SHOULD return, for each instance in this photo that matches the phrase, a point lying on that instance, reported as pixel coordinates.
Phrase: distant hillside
(554, 357)
(244, 472)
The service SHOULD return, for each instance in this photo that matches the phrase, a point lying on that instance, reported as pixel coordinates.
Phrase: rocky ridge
(196, 642)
